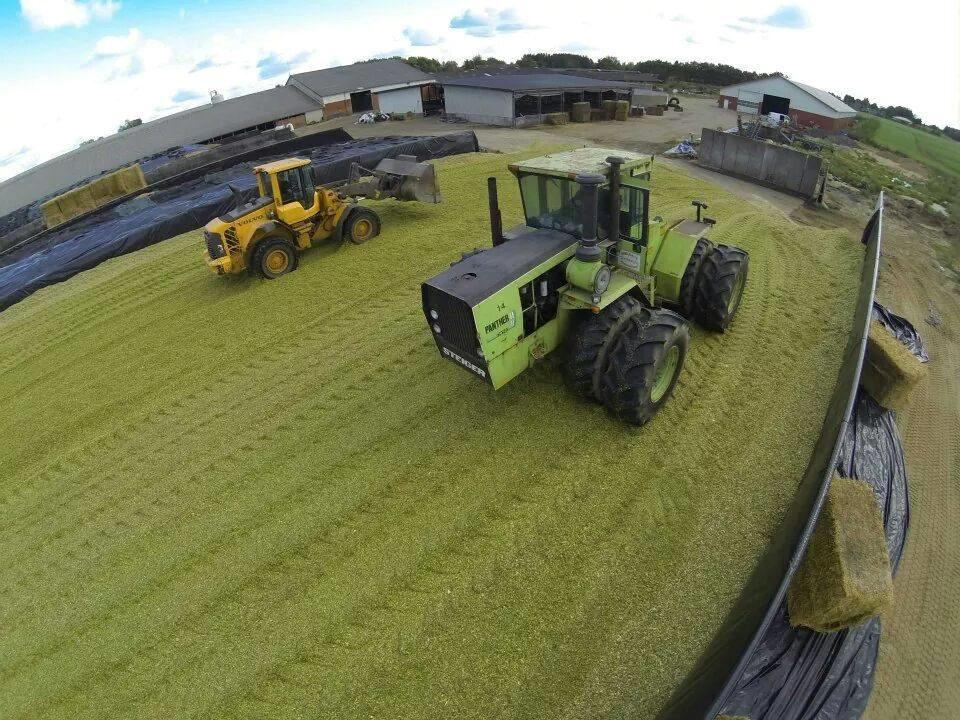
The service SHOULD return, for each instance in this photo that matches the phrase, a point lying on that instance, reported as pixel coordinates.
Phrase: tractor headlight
(602, 280)
(434, 314)
(436, 328)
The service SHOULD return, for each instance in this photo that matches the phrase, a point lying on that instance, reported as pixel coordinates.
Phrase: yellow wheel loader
(266, 235)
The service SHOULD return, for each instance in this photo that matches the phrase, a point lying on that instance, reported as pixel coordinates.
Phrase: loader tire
(688, 283)
(720, 287)
(274, 257)
(643, 364)
(362, 225)
(587, 344)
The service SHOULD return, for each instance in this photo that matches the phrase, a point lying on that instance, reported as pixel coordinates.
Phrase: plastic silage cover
(163, 214)
(799, 674)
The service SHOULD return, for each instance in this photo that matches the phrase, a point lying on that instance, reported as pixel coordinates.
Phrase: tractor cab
(553, 200)
(290, 184)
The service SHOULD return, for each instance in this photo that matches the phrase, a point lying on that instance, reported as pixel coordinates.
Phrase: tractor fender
(337, 233)
(271, 228)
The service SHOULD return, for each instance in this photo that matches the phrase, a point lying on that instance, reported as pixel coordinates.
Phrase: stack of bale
(609, 109)
(622, 110)
(557, 118)
(890, 370)
(580, 112)
(92, 195)
(844, 578)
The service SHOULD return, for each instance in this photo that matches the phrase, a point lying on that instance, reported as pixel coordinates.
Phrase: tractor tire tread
(587, 344)
(717, 281)
(688, 283)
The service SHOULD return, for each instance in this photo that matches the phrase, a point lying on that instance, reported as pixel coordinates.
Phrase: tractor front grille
(454, 318)
(214, 245)
(230, 239)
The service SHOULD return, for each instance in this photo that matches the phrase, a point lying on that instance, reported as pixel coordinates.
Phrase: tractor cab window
(552, 203)
(634, 202)
(265, 189)
(296, 185)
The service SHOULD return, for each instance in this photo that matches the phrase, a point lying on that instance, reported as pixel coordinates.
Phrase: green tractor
(589, 273)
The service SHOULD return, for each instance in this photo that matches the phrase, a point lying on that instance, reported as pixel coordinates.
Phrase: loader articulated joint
(589, 250)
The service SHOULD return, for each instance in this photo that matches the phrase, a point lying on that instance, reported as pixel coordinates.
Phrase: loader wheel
(688, 284)
(588, 342)
(720, 287)
(362, 225)
(274, 257)
(643, 364)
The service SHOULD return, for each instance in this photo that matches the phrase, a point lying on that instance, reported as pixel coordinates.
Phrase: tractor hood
(479, 276)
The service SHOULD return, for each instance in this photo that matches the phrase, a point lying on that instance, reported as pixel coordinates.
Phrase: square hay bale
(844, 578)
(609, 109)
(557, 118)
(580, 112)
(622, 110)
(890, 370)
(130, 178)
(52, 215)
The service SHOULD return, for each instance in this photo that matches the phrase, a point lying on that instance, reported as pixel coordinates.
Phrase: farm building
(212, 122)
(524, 98)
(804, 104)
(381, 85)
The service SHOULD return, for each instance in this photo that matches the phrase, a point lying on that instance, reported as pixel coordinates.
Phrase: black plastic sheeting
(799, 674)
(148, 219)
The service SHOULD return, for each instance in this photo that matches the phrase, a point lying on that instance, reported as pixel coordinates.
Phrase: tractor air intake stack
(586, 269)
(496, 222)
(614, 226)
(590, 183)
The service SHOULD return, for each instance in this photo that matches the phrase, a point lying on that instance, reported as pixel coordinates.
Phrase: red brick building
(806, 105)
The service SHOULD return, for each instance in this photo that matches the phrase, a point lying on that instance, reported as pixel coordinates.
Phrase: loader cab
(291, 185)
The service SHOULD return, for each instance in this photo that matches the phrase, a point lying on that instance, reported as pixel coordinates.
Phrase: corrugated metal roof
(189, 126)
(516, 82)
(359, 76)
(831, 101)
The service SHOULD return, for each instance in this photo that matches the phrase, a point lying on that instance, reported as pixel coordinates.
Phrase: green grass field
(935, 151)
(225, 497)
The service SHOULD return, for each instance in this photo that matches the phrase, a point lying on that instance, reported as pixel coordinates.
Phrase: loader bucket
(413, 181)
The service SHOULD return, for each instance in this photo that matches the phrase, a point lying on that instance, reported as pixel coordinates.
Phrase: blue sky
(76, 69)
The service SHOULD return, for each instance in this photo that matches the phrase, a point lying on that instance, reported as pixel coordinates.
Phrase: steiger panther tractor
(592, 275)
(292, 213)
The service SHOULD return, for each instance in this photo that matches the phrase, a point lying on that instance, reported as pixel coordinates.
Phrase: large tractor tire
(273, 257)
(688, 283)
(720, 287)
(643, 364)
(587, 344)
(362, 225)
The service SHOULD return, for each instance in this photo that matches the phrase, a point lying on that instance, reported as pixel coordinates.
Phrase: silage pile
(236, 498)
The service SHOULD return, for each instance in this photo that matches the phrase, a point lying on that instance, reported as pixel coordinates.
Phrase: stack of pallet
(580, 112)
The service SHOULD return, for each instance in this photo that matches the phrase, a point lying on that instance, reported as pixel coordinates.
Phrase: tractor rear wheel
(362, 225)
(273, 257)
(688, 283)
(587, 344)
(643, 364)
(720, 287)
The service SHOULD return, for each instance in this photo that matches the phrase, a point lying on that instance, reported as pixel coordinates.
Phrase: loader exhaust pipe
(614, 225)
(496, 221)
(589, 248)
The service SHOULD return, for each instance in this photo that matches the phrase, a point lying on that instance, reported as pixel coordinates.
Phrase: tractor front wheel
(362, 225)
(587, 344)
(720, 287)
(274, 257)
(643, 364)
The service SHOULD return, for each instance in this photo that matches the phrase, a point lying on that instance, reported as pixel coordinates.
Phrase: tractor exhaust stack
(496, 221)
(614, 226)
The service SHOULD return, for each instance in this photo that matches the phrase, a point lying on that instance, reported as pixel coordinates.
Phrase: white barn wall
(479, 105)
(402, 100)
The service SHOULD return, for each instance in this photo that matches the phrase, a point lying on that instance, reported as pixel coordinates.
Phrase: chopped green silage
(890, 370)
(844, 578)
(232, 498)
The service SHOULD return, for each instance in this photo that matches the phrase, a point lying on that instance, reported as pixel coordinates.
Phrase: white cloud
(130, 54)
(53, 14)
(114, 45)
